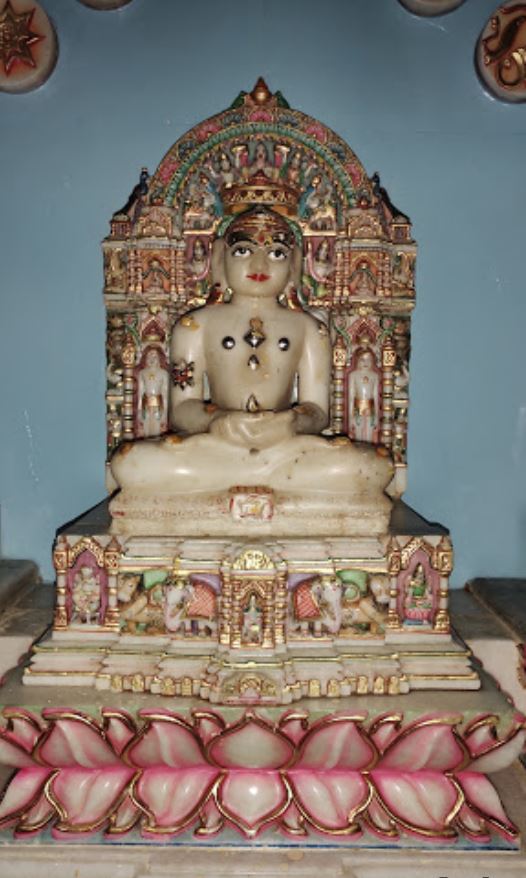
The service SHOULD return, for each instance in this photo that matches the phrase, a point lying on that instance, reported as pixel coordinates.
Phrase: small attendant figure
(363, 398)
(153, 395)
(86, 595)
(252, 626)
(418, 602)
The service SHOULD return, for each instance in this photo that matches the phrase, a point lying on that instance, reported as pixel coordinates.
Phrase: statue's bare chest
(250, 346)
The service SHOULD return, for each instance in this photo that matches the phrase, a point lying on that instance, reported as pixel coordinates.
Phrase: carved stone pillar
(226, 605)
(339, 361)
(61, 563)
(267, 639)
(281, 605)
(172, 270)
(180, 274)
(394, 565)
(388, 364)
(443, 562)
(128, 386)
(111, 564)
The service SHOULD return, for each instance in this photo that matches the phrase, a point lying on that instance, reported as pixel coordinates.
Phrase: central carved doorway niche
(254, 601)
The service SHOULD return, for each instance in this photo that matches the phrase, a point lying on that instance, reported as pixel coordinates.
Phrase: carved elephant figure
(363, 611)
(140, 611)
(316, 606)
(188, 604)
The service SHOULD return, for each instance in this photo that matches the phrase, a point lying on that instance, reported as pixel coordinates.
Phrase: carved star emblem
(16, 37)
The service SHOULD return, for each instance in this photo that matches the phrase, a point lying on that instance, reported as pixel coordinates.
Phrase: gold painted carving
(253, 559)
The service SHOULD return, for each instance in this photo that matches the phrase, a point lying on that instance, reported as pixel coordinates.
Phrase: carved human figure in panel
(86, 595)
(418, 601)
(152, 386)
(363, 397)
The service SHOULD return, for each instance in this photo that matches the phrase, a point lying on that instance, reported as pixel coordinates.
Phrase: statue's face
(365, 361)
(152, 358)
(258, 269)
(199, 249)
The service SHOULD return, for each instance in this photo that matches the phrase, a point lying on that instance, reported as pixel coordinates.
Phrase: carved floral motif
(342, 775)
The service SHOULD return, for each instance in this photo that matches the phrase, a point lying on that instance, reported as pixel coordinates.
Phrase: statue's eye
(278, 253)
(241, 250)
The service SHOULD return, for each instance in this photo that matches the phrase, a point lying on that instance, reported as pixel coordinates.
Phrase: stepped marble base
(325, 668)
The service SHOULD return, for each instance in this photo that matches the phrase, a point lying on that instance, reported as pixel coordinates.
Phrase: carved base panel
(248, 513)
(254, 621)
(229, 676)
(371, 771)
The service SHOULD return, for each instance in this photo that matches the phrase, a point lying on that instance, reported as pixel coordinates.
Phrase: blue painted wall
(403, 92)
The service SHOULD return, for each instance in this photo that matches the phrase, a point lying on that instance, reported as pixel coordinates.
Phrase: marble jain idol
(268, 373)
(254, 634)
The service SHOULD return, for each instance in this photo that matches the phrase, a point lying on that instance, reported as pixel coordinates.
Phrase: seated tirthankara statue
(267, 368)
(253, 560)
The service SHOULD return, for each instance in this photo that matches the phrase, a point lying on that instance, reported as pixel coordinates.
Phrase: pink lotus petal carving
(211, 819)
(339, 775)
(13, 753)
(22, 792)
(84, 796)
(430, 744)
(380, 822)
(124, 817)
(425, 801)
(252, 799)
(330, 799)
(119, 728)
(492, 752)
(336, 743)
(294, 725)
(35, 818)
(385, 730)
(252, 743)
(473, 824)
(75, 740)
(484, 801)
(166, 740)
(172, 797)
(208, 724)
(22, 727)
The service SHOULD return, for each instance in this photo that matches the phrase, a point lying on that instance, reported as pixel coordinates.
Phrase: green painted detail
(341, 330)
(238, 102)
(282, 102)
(251, 128)
(153, 577)
(353, 577)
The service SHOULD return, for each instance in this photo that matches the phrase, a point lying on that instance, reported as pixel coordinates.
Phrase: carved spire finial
(261, 93)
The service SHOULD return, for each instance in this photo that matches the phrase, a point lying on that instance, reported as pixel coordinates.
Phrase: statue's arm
(188, 411)
(314, 372)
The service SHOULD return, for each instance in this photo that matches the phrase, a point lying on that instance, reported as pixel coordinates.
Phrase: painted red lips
(258, 277)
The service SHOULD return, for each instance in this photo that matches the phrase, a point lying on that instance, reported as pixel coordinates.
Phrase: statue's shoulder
(195, 319)
(315, 326)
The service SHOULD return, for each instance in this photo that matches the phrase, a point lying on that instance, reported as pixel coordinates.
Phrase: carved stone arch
(86, 544)
(413, 546)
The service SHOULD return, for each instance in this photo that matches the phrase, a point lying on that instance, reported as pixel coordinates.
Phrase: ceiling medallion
(500, 56)
(28, 46)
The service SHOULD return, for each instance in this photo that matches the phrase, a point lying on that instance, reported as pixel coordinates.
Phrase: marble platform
(26, 606)
(272, 855)
(491, 618)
